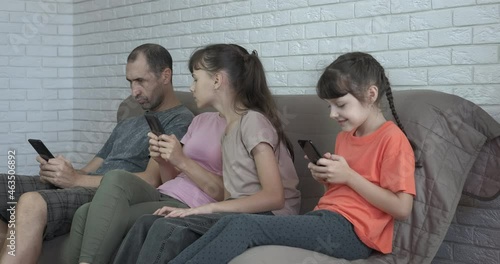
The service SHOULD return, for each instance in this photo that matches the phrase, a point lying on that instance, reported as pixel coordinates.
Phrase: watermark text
(11, 202)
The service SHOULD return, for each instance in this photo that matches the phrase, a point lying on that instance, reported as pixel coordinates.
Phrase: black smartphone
(154, 124)
(41, 149)
(310, 150)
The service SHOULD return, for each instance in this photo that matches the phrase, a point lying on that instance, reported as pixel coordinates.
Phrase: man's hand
(59, 172)
(42, 161)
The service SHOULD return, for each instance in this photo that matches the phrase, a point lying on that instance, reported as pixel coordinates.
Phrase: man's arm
(92, 166)
(60, 172)
(85, 180)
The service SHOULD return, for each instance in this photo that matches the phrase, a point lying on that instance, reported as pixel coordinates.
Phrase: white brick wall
(34, 59)
(450, 46)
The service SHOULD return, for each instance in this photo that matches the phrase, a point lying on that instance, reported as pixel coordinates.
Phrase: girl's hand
(331, 169)
(168, 211)
(171, 150)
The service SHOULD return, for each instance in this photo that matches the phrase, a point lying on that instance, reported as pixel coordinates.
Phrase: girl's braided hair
(354, 73)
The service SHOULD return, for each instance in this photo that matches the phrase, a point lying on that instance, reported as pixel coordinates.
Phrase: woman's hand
(171, 150)
(154, 147)
(331, 169)
(168, 211)
(166, 148)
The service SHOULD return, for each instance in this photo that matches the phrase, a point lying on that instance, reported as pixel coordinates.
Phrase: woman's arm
(158, 170)
(270, 197)
(210, 183)
(171, 152)
(156, 174)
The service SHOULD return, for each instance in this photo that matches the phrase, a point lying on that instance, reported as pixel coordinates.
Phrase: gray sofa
(458, 147)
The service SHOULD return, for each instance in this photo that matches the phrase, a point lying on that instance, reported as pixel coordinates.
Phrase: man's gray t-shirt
(127, 147)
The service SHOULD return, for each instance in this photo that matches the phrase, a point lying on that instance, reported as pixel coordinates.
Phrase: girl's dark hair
(157, 57)
(354, 73)
(247, 79)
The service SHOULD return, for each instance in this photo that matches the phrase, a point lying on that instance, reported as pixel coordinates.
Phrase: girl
(258, 172)
(369, 180)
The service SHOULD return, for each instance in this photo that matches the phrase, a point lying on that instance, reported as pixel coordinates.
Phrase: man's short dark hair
(157, 57)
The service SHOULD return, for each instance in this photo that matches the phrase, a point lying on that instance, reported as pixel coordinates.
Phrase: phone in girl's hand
(310, 150)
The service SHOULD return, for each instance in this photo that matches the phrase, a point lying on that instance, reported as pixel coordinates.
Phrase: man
(48, 202)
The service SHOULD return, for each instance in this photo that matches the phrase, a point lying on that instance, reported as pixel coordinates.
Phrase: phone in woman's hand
(154, 124)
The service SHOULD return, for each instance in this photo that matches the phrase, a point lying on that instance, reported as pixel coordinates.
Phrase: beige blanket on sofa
(458, 142)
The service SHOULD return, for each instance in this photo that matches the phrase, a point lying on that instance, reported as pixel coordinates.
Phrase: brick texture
(62, 66)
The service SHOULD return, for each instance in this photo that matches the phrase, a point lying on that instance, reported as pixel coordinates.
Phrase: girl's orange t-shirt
(385, 158)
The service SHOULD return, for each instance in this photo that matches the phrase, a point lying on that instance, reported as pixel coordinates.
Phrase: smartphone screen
(154, 124)
(41, 149)
(310, 150)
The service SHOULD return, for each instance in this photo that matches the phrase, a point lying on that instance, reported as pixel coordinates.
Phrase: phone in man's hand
(41, 149)
(154, 124)
(310, 150)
